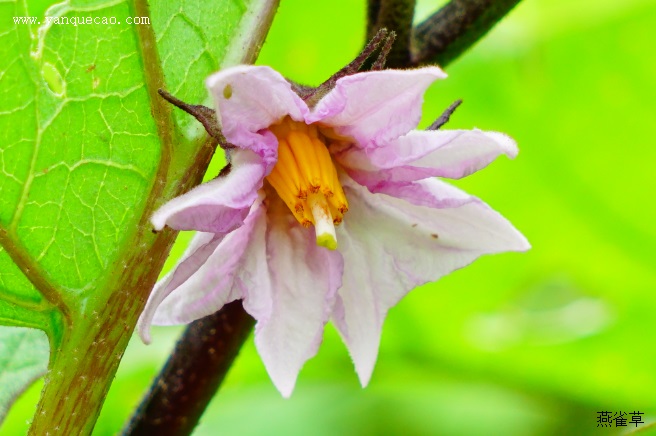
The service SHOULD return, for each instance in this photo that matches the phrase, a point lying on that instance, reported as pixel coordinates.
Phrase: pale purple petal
(248, 100)
(218, 206)
(200, 248)
(427, 192)
(291, 314)
(420, 154)
(376, 107)
(390, 246)
(216, 282)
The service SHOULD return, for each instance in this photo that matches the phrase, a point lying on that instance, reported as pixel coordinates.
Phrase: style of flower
(330, 212)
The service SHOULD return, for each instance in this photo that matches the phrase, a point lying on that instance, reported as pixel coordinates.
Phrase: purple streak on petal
(390, 246)
(218, 206)
(419, 154)
(249, 99)
(215, 282)
(375, 107)
(428, 192)
(291, 314)
(200, 248)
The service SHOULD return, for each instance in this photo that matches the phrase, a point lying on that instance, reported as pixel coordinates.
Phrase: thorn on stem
(380, 62)
(444, 118)
(205, 115)
(357, 63)
(312, 96)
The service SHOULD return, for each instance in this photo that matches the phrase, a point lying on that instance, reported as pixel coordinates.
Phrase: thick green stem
(98, 329)
(453, 29)
(78, 380)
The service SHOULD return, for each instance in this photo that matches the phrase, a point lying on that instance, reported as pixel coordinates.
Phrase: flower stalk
(89, 352)
(193, 373)
(395, 16)
(448, 33)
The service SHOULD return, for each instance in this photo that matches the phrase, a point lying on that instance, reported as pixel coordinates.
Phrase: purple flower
(328, 213)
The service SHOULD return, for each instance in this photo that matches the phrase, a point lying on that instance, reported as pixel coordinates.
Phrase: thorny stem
(453, 29)
(395, 16)
(192, 374)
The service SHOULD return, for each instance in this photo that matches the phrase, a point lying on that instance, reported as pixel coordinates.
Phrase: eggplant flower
(330, 212)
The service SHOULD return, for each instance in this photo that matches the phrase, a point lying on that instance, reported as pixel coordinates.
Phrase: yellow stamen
(306, 156)
(305, 178)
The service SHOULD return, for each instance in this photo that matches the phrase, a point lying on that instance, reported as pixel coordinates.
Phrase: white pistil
(323, 221)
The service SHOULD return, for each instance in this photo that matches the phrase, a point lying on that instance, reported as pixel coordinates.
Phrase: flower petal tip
(364, 374)
(285, 385)
(364, 359)
(524, 245)
(516, 242)
(158, 220)
(287, 393)
(506, 143)
(144, 332)
(437, 72)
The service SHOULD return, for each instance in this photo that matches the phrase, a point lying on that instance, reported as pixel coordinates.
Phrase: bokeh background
(516, 344)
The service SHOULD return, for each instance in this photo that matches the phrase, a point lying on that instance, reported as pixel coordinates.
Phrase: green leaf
(23, 359)
(21, 299)
(88, 150)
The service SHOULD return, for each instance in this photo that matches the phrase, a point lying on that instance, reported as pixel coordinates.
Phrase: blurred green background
(517, 344)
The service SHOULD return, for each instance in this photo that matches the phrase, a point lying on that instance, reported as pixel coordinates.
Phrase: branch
(193, 373)
(446, 115)
(453, 29)
(381, 62)
(395, 16)
(373, 8)
(313, 95)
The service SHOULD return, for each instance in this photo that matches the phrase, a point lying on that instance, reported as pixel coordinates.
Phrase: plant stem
(98, 331)
(92, 346)
(395, 16)
(373, 8)
(180, 393)
(453, 29)
(446, 115)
